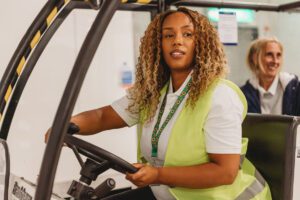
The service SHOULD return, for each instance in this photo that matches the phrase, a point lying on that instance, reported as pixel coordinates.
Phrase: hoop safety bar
(27, 53)
(24, 50)
(29, 50)
(32, 60)
(66, 106)
(27, 44)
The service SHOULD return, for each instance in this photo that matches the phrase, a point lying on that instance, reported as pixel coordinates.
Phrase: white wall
(42, 94)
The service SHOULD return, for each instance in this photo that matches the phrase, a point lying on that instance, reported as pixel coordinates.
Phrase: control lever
(104, 188)
(91, 169)
(81, 191)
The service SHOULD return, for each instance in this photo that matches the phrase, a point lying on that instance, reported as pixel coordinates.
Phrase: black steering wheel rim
(100, 155)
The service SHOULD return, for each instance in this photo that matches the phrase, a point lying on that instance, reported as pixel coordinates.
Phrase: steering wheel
(99, 155)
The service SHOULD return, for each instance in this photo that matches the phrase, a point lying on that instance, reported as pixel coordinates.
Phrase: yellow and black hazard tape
(137, 1)
(28, 50)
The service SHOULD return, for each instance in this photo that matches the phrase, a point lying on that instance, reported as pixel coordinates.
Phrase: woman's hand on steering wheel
(146, 175)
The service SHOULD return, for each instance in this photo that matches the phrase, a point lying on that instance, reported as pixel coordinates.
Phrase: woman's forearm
(94, 121)
(201, 176)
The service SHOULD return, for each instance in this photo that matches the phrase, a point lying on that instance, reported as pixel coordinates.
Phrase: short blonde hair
(256, 52)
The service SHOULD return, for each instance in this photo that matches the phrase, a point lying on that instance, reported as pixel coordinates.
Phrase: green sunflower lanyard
(157, 131)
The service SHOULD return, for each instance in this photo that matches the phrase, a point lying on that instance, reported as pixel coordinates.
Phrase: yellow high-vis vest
(187, 147)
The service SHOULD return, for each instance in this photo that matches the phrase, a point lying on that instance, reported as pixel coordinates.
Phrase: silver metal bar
(289, 6)
(227, 4)
(137, 7)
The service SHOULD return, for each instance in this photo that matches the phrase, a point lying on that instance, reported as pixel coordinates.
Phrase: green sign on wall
(243, 15)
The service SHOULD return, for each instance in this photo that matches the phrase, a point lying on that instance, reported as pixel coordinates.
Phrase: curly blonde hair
(152, 73)
(256, 52)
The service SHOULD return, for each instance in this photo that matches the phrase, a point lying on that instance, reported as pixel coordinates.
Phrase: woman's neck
(266, 82)
(178, 79)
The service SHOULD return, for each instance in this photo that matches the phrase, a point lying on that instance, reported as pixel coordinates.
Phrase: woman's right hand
(46, 137)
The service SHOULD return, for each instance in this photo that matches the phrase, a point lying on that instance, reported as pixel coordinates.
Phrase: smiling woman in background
(270, 91)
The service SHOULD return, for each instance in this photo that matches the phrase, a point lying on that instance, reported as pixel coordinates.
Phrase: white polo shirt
(271, 100)
(222, 128)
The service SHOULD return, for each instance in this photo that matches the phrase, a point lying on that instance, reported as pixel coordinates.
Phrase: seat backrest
(4, 170)
(271, 150)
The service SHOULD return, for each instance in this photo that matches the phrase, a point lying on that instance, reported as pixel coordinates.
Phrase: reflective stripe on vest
(242, 158)
(254, 189)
